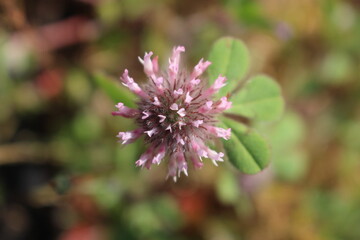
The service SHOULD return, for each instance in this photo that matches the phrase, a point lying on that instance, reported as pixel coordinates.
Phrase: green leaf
(259, 99)
(246, 149)
(230, 58)
(114, 90)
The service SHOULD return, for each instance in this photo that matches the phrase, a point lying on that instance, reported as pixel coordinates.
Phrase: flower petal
(149, 67)
(188, 98)
(146, 114)
(200, 68)
(174, 107)
(206, 107)
(162, 118)
(178, 92)
(128, 82)
(174, 62)
(159, 155)
(219, 132)
(124, 111)
(223, 105)
(197, 123)
(219, 83)
(130, 136)
(151, 132)
(181, 112)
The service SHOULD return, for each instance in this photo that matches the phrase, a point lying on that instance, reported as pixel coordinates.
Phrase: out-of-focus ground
(63, 175)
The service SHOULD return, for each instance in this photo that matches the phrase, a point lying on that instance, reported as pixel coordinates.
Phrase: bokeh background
(63, 175)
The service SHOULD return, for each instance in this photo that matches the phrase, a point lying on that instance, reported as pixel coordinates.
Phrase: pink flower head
(175, 114)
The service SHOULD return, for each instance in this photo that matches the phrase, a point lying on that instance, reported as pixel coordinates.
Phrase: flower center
(172, 117)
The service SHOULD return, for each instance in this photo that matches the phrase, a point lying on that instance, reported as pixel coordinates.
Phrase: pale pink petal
(188, 98)
(219, 132)
(130, 136)
(209, 104)
(148, 65)
(214, 156)
(159, 84)
(199, 68)
(146, 114)
(119, 106)
(202, 153)
(124, 111)
(174, 62)
(195, 81)
(151, 132)
(181, 124)
(169, 128)
(159, 155)
(180, 140)
(181, 112)
(128, 82)
(156, 101)
(144, 159)
(155, 64)
(181, 163)
(159, 81)
(162, 118)
(200, 149)
(197, 123)
(223, 105)
(206, 107)
(219, 83)
(174, 107)
(178, 92)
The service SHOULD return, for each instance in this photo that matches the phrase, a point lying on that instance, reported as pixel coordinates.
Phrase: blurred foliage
(55, 54)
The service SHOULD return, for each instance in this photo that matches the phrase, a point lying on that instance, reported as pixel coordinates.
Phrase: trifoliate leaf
(259, 99)
(246, 149)
(230, 58)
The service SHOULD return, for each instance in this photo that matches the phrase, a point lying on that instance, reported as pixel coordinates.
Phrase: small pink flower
(182, 112)
(223, 104)
(219, 83)
(207, 107)
(133, 86)
(131, 136)
(188, 98)
(148, 65)
(176, 114)
(178, 92)
(219, 132)
(199, 69)
(162, 118)
(125, 111)
(197, 123)
(156, 102)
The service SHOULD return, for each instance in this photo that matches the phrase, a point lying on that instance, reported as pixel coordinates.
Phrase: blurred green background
(63, 175)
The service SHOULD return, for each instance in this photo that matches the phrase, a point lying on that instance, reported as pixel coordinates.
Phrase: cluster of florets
(176, 114)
